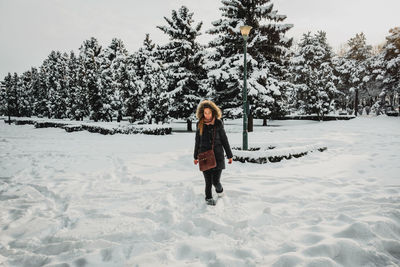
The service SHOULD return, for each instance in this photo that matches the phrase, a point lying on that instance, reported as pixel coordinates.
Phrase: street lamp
(245, 30)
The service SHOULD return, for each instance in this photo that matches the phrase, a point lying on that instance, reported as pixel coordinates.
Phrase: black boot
(211, 201)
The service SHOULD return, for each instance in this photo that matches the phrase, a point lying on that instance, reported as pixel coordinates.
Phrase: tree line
(160, 82)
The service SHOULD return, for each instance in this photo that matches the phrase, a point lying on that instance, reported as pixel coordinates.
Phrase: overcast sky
(30, 29)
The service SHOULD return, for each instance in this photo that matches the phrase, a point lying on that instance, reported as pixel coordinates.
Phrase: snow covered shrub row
(24, 121)
(255, 148)
(19, 121)
(9, 121)
(50, 124)
(100, 127)
(317, 118)
(148, 129)
(122, 129)
(392, 113)
(73, 128)
(272, 154)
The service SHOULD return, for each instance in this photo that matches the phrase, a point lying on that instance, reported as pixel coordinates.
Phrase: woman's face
(207, 113)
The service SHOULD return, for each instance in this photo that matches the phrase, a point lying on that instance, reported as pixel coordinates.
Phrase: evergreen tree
(391, 68)
(90, 55)
(353, 69)
(15, 95)
(128, 87)
(267, 59)
(373, 83)
(154, 96)
(3, 99)
(10, 94)
(73, 75)
(112, 58)
(182, 59)
(56, 84)
(313, 73)
(131, 87)
(156, 85)
(26, 93)
(35, 89)
(82, 107)
(118, 58)
(40, 94)
(106, 81)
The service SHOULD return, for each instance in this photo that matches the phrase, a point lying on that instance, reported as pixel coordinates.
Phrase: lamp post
(245, 30)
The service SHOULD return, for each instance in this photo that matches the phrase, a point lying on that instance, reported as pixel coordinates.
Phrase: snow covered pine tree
(182, 58)
(267, 59)
(313, 74)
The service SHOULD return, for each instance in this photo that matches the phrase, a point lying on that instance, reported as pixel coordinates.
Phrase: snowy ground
(85, 199)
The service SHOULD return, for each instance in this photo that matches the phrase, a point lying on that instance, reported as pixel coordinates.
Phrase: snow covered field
(85, 199)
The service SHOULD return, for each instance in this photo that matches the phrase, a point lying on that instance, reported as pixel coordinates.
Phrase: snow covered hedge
(264, 154)
(392, 113)
(316, 118)
(19, 121)
(124, 129)
(48, 124)
(23, 121)
(73, 128)
(94, 127)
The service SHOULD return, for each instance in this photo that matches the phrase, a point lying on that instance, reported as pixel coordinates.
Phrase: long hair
(216, 112)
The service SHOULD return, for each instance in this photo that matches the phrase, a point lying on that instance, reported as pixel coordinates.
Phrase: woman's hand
(230, 161)
(196, 161)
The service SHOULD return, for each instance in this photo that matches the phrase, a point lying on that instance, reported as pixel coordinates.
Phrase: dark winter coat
(221, 143)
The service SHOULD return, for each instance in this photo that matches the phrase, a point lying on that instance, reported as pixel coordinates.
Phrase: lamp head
(245, 30)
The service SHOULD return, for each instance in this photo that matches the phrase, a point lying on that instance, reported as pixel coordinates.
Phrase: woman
(209, 116)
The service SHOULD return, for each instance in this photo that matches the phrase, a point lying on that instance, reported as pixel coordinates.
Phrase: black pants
(212, 177)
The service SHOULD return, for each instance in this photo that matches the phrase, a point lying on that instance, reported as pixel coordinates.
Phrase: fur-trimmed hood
(208, 104)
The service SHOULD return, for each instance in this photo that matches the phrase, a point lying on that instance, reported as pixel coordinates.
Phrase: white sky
(30, 29)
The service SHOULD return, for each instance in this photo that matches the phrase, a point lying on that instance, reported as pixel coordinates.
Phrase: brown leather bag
(207, 158)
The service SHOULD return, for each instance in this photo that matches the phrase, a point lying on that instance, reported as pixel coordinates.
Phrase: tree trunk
(189, 125)
(265, 122)
(356, 103)
(8, 111)
(250, 123)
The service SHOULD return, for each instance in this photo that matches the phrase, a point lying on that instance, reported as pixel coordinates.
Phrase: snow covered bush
(50, 124)
(94, 127)
(315, 117)
(266, 153)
